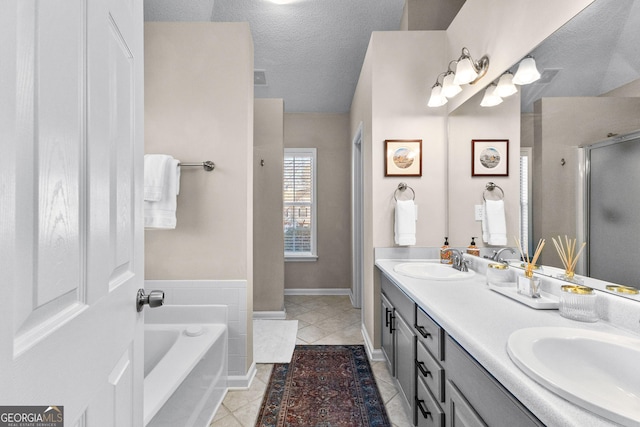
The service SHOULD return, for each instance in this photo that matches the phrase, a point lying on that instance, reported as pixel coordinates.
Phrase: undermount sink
(432, 271)
(595, 370)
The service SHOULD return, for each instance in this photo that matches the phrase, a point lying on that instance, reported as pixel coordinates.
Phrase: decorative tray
(545, 302)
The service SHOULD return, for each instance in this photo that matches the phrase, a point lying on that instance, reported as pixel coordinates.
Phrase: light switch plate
(478, 212)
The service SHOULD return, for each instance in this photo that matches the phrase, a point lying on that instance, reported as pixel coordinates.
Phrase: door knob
(153, 299)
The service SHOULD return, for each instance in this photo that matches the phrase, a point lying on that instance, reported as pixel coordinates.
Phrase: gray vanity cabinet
(405, 349)
(475, 398)
(430, 374)
(444, 386)
(388, 335)
(461, 414)
(398, 339)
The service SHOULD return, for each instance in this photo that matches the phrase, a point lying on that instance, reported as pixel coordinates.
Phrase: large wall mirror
(589, 90)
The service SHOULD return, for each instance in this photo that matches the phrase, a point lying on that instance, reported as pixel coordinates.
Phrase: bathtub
(185, 365)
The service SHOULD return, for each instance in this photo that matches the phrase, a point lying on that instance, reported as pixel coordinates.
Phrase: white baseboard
(242, 382)
(270, 315)
(354, 303)
(372, 353)
(318, 291)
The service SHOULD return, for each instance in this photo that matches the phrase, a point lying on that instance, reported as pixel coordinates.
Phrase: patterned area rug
(323, 386)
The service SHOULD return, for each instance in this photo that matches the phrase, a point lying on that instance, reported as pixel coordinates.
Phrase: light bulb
(505, 86)
(437, 99)
(449, 88)
(465, 72)
(490, 99)
(527, 72)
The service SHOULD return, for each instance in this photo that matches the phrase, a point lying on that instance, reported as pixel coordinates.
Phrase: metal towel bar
(490, 187)
(402, 187)
(207, 165)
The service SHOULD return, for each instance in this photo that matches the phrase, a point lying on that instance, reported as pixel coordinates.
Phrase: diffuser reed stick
(567, 253)
(530, 263)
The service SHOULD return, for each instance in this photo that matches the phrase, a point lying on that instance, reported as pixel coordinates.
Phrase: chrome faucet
(496, 254)
(459, 263)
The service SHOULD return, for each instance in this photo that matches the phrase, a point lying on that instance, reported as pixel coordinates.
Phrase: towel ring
(401, 187)
(490, 187)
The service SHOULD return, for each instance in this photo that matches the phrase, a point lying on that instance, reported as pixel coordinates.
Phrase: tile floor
(321, 320)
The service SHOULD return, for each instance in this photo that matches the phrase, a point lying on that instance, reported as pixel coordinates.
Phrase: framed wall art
(490, 157)
(403, 157)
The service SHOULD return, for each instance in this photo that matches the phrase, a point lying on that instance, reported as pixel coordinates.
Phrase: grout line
(306, 304)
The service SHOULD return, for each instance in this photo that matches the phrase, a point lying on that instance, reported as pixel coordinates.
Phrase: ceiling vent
(259, 78)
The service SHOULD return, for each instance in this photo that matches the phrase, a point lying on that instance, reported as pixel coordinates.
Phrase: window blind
(299, 202)
(524, 201)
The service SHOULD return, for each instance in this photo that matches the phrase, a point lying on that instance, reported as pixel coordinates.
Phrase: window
(299, 210)
(525, 198)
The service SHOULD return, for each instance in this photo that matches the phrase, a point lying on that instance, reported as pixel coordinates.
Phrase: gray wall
(268, 241)
(562, 125)
(329, 133)
(199, 106)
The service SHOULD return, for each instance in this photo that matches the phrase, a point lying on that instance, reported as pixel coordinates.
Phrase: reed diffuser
(569, 257)
(527, 284)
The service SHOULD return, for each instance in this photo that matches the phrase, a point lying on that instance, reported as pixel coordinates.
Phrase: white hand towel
(485, 225)
(162, 213)
(154, 176)
(405, 223)
(496, 223)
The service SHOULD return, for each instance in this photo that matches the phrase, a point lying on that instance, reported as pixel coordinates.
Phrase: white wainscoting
(233, 294)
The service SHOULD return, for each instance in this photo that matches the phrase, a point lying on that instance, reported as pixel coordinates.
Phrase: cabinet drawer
(461, 413)
(429, 334)
(428, 412)
(400, 301)
(493, 403)
(430, 371)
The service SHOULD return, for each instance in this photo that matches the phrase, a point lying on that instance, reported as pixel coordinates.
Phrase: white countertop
(481, 320)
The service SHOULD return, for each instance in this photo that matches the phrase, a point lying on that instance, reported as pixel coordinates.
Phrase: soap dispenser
(473, 249)
(445, 256)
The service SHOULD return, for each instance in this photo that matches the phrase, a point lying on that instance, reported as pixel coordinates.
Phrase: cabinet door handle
(422, 331)
(423, 408)
(423, 368)
(389, 320)
(391, 328)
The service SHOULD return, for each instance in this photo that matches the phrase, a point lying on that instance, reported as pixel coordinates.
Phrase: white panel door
(71, 236)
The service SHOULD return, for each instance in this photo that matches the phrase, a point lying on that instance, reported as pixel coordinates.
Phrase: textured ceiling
(594, 53)
(312, 51)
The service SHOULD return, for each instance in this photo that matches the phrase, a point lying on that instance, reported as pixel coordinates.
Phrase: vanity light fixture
(505, 86)
(491, 98)
(527, 71)
(469, 71)
(449, 87)
(437, 98)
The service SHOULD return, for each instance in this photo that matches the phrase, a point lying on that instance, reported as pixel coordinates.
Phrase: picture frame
(403, 157)
(490, 157)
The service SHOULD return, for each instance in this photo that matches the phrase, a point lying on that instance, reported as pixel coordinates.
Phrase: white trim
(271, 315)
(582, 232)
(299, 258)
(375, 355)
(318, 291)
(313, 153)
(242, 382)
(357, 206)
(352, 298)
(527, 151)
